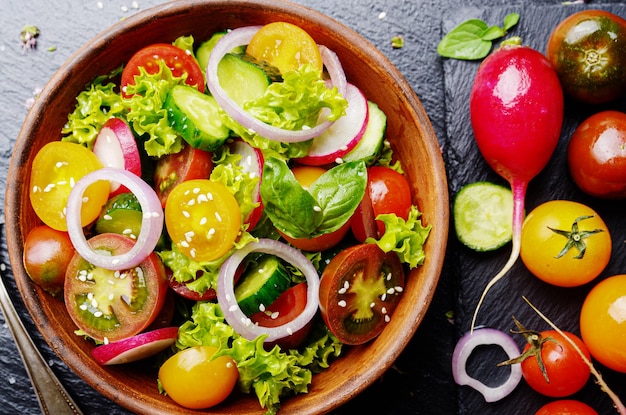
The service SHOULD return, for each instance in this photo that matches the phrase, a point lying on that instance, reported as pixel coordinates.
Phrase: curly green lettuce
(270, 374)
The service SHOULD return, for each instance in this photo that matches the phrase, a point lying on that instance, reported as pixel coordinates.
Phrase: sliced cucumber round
(482, 215)
(241, 79)
(372, 141)
(262, 284)
(122, 215)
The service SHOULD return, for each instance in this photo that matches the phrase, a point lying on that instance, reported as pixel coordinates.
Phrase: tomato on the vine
(359, 291)
(565, 243)
(588, 51)
(566, 407)
(194, 379)
(203, 219)
(47, 253)
(177, 60)
(603, 322)
(596, 155)
(284, 46)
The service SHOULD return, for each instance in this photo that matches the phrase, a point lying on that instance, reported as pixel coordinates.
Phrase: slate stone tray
(473, 270)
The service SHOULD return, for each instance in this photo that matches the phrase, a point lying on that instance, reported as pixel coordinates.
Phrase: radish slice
(464, 348)
(241, 323)
(151, 222)
(136, 347)
(252, 161)
(341, 137)
(115, 146)
(240, 37)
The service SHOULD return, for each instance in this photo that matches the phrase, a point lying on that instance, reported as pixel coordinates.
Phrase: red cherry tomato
(114, 305)
(596, 155)
(172, 169)
(567, 372)
(389, 192)
(179, 62)
(566, 407)
(588, 52)
(359, 291)
(47, 253)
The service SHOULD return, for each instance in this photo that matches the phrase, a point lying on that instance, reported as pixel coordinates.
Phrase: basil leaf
(339, 192)
(510, 20)
(494, 32)
(290, 207)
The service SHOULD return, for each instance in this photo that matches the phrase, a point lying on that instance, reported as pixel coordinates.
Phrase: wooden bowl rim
(323, 401)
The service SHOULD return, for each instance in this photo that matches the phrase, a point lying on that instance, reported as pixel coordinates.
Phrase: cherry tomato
(284, 46)
(588, 51)
(596, 155)
(194, 380)
(306, 175)
(566, 371)
(179, 62)
(603, 322)
(565, 243)
(285, 308)
(566, 407)
(203, 219)
(114, 305)
(359, 291)
(172, 169)
(389, 192)
(56, 167)
(47, 253)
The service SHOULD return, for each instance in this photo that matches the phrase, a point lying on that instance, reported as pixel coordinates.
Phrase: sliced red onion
(228, 303)
(465, 347)
(151, 223)
(242, 36)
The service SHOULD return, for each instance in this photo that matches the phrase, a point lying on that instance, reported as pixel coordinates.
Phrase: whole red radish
(516, 110)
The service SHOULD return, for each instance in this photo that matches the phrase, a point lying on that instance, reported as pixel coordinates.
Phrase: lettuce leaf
(407, 238)
(269, 374)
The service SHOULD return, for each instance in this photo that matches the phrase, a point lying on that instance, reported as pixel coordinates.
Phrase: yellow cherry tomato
(56, 167)
(603, 322)
(285, 46)
(194, 380)
(565, 243)
(203, 219)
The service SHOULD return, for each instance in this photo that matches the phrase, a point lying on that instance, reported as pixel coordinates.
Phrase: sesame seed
(83, 307)
(339, 160)
(72, 182)
(261, 307)
(85, 199)
(203, 220)
(127, 231)
(399, 289)
(189, 235)
(383, 297)
(61, 182)
(184, 244)
(192, 252)
(196, 190)
(389, 277)
(209, 196)
(228, 297)
(202, 198)
(106, 340)
(372, 305)
(342, 303)
(391, 291)
(94, 303)
(186, 214)
(341, 291)
(387, 318)
(97, 314)
(229, 364)
(49, 187)
(191, 202)
(117, 274)
(233, 307)
(383, 310)
(210, 233)
(107, 217)
(218, 217)
(274, 315)
(317, 208)
(115, 261)
(90, 296)
(289, 331)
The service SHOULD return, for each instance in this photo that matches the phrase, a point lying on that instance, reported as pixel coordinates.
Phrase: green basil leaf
(339, 192)
(494, 32)
(465, 41)
(510, 20)
(290, 207)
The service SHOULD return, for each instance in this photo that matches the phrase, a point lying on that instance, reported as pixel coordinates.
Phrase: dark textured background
(420, 382)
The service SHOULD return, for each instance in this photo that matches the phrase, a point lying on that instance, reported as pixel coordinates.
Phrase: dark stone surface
(420, 381)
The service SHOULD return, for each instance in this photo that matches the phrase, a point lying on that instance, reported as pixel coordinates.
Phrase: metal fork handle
(52, 396)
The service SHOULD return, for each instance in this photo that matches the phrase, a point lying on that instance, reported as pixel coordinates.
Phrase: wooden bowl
(409, 131)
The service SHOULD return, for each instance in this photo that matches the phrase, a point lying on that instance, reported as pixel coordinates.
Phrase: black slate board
(473, 270)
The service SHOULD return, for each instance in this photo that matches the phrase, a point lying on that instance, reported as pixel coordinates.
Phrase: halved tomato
(389, 192)
(179, 62)
(359, 291)
(188, 164)
(113, 305)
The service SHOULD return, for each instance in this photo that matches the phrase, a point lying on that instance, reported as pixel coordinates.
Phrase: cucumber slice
(196, 117)
(483, 214)
(241, 79)
(262, 284)
(121, 215)
(204, 50)
(372, 140)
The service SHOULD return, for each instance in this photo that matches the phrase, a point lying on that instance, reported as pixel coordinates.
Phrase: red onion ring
(228, 303)
(151, 222)
(465, 347)
(242, 36)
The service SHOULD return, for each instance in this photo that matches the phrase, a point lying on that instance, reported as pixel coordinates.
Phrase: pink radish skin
(516, 110)
(345, 133)
(116, 147)
(136, 347)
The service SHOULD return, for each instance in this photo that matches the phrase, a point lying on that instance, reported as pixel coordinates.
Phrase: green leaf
(494, 32)
(510, 20)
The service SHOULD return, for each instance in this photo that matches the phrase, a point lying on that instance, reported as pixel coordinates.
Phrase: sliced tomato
(179, 62)
(284, 309)
(188, 164)
(389, 192)
(55, 169)
(359, 291)
(203, 219)
(363, 222)
(114, 305)
(181, 289)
